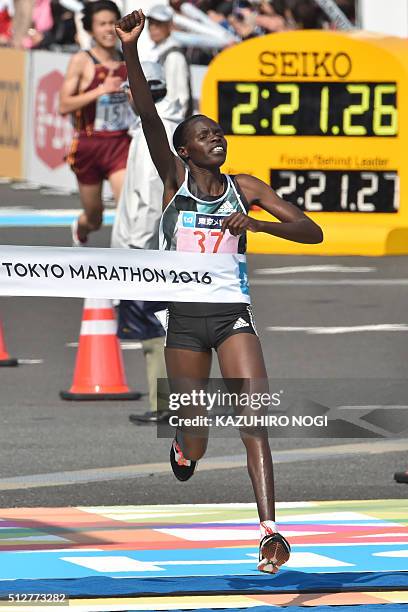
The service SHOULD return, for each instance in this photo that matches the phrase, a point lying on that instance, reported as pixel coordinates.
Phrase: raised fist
(130, 27)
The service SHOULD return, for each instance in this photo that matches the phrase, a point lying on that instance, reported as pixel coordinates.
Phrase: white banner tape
(127, 274)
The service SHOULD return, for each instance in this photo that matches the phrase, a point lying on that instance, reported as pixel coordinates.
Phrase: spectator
(6, 10)
(306, 14)
(271, 16)
(169, 54)
(243, 20)
(254, 19)
(176, 5)
(23, 15)
(42, 22)
(63, 31)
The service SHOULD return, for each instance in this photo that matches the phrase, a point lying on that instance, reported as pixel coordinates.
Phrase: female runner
(193, 182)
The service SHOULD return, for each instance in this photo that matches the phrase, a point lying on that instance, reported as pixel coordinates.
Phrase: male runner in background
(92, 93)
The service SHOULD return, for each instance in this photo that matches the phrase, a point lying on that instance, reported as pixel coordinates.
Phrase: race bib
(112, 113)
(201, 233)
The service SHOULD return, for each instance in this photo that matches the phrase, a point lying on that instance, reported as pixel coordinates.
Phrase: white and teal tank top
(192, 221)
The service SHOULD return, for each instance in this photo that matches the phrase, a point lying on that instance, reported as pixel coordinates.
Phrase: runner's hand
(130, 27)
(238, 223)
(111, 84)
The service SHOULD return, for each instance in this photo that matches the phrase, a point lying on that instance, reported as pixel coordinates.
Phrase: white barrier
(391, 19)
(14, 70)
(49, 134)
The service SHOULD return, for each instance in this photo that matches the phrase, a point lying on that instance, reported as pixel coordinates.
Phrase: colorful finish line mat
(204, 556)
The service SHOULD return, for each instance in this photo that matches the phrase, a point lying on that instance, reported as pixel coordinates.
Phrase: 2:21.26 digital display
(264, 108)
(338, 190)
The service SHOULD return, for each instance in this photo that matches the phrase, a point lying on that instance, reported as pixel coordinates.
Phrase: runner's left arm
(293, 223)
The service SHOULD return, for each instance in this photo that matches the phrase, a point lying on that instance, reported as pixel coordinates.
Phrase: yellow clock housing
(320, 117)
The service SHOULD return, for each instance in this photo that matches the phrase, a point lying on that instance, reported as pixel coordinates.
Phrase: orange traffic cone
(99, 373)
(5, 359)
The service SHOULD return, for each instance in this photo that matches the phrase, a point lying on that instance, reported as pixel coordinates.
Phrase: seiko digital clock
(319, 116)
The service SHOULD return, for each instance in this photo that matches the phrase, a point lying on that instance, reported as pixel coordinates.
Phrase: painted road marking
(57, 479)
(395, 534)
(356, 518)
(113, 564)
(227, 535)
(30, 361)
(63, 217)
(317, 282)
(213, 562)
(137, 548)
(125, 345)
(25, 186)
(37, 538)
(127, 564)
(322, 268)
(351, 329)
(308, 559)
(187, 509)
(208, 561)
(392, 553)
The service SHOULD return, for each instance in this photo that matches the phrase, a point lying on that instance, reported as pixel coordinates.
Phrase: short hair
(307, 14)
(179, 136)
(91, 8)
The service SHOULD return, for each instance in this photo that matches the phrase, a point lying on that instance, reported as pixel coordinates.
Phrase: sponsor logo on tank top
(226, 208)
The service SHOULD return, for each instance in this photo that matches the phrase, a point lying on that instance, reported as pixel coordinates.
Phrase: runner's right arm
(168, 166)
(70, 99)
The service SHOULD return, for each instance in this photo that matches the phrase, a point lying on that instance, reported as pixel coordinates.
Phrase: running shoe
(274, 551)
(76, 242)
(152, 417)
(401, 477)
(182, 468)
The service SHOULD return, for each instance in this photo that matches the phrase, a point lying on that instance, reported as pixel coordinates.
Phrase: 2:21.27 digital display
(263, 108)
(360, 191)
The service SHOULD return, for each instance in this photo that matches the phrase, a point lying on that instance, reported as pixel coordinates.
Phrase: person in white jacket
(140, 204)
(137, 226)
(167, 51)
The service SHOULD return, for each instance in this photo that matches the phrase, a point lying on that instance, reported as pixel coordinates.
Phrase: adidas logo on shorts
(240, 323)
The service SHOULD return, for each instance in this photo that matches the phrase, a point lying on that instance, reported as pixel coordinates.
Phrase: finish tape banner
(127, 274)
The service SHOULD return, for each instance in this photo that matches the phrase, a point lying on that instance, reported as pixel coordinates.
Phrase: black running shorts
(204, 333)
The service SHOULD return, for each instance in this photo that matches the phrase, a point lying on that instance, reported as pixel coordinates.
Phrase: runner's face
(205, 145)
(103, 29)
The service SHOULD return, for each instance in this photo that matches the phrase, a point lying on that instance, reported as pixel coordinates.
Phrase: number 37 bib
(201, 233)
